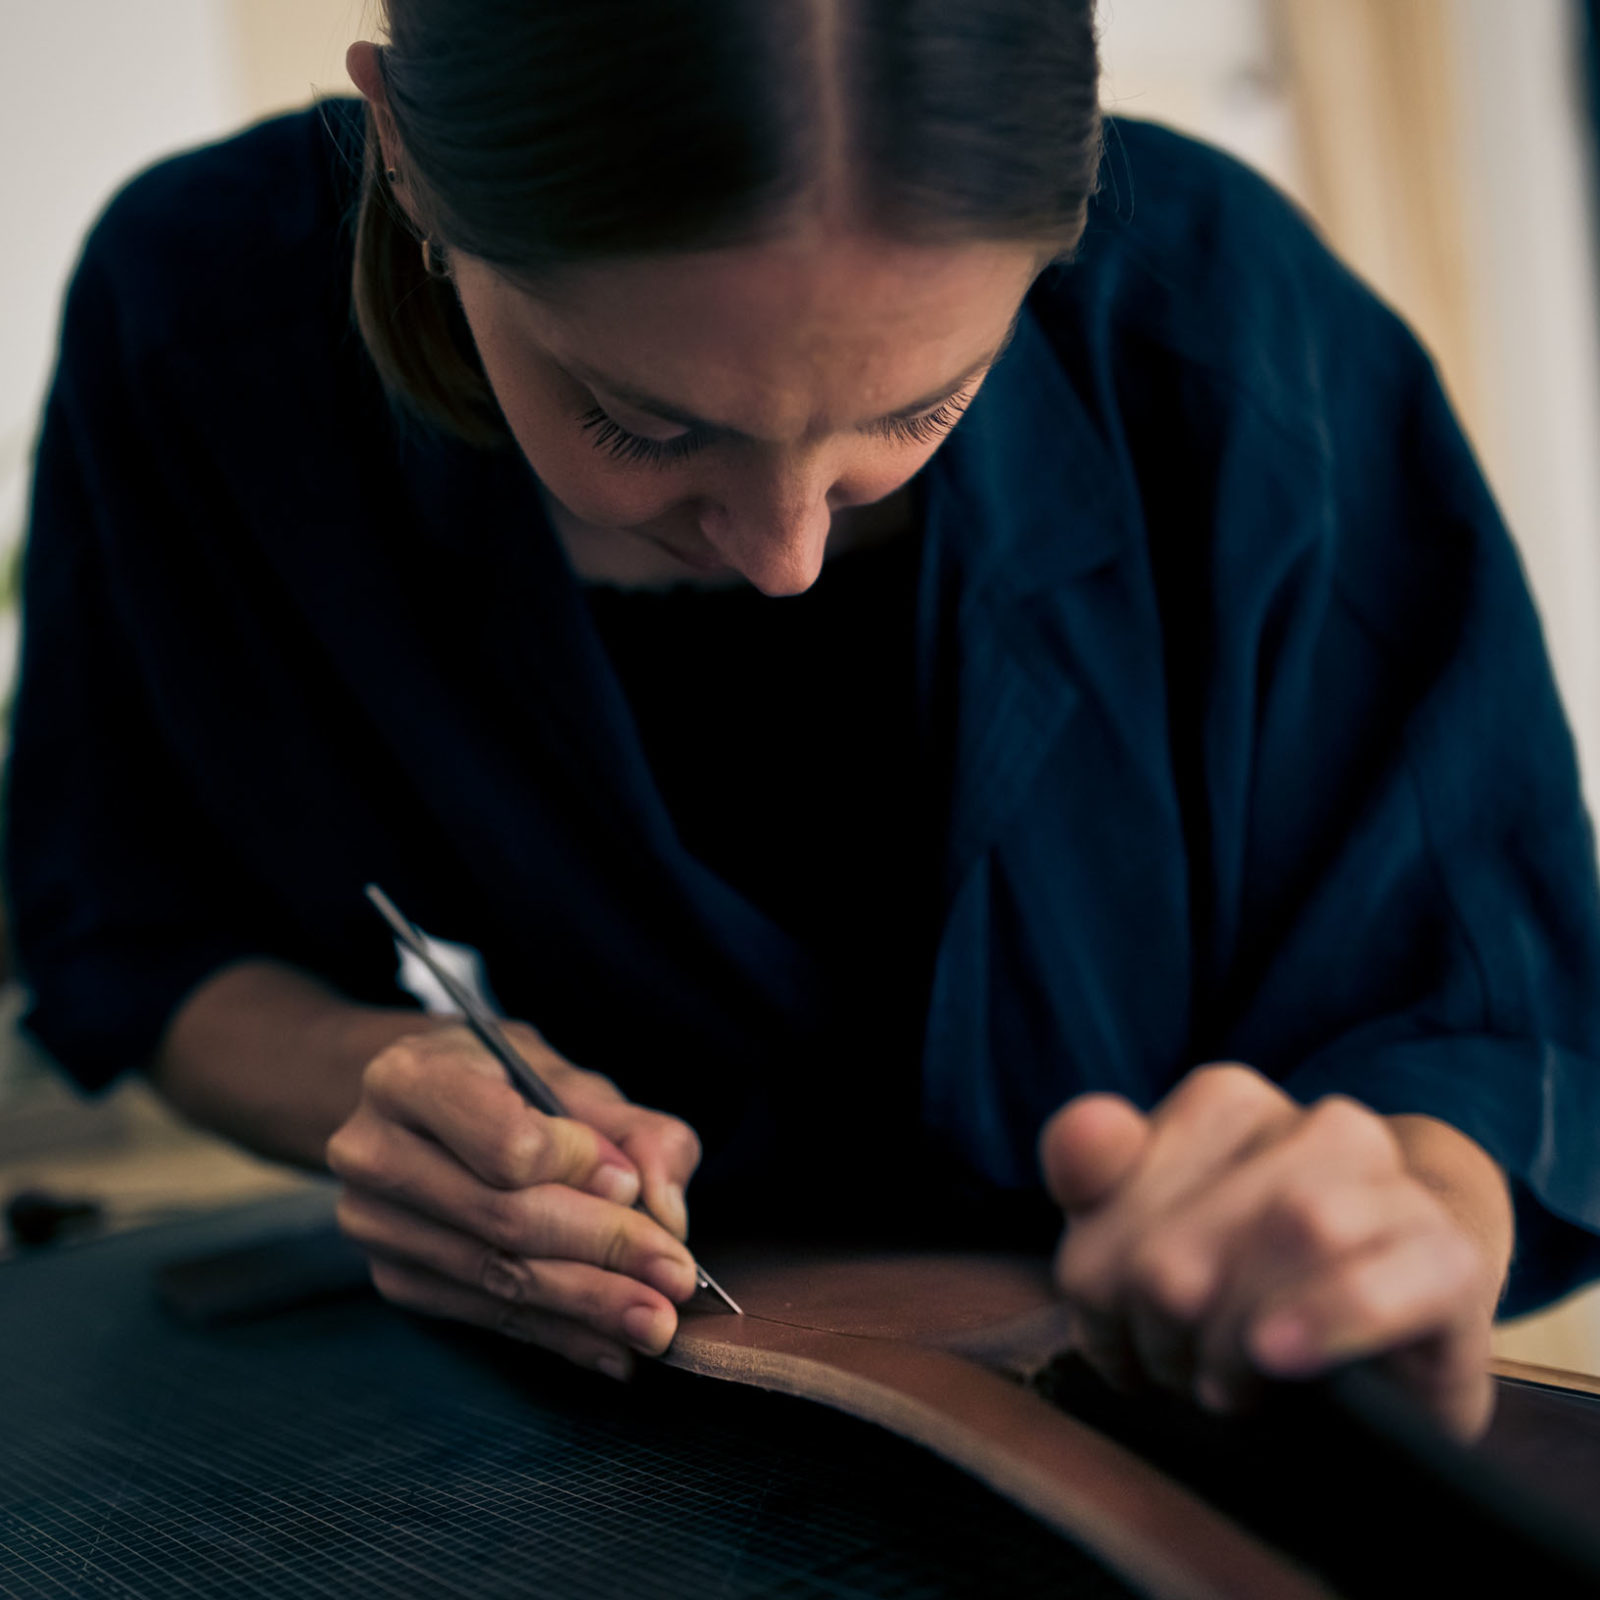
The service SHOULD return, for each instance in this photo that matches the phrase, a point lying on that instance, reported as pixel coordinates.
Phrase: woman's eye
(607, 434)
(930, 425)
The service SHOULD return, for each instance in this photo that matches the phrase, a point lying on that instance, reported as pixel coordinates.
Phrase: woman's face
(715, 412)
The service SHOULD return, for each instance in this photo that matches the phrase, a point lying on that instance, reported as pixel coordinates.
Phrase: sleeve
(117, 886)
(1401, 897)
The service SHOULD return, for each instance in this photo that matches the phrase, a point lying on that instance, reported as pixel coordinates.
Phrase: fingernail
(1283, 1342)
(673, 1277)
(674, 1213)
(1212, 1393)
(617, 1184)
(613, 1367)
(649, 1328)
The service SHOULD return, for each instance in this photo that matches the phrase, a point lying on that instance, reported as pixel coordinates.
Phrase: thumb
(664, 1151)
(1089, 1147)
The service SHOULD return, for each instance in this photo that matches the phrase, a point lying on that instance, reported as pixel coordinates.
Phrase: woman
(983, 682)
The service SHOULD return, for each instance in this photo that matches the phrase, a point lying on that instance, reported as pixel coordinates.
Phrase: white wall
(284, 50)
(1529, 189)
(1209, 67)
(90, 90)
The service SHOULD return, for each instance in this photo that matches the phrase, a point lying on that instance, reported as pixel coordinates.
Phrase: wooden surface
(1563, 1336)
(933, 1347)
(1550, 1377)
(127, 1152)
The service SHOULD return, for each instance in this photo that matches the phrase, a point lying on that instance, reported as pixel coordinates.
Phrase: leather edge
(1150, 1530)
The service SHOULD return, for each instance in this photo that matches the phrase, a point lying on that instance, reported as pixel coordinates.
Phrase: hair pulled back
(540, 135)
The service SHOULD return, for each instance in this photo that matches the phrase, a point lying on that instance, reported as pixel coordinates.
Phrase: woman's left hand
(1233, 1233)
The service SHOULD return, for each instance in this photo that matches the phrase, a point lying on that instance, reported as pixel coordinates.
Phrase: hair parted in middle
(540, 135)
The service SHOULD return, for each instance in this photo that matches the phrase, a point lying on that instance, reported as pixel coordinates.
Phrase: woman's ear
(363, 63)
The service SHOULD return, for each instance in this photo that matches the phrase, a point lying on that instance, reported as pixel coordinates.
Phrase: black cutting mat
(351, 1450)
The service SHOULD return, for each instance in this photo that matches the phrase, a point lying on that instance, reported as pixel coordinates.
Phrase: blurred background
(1446, 148)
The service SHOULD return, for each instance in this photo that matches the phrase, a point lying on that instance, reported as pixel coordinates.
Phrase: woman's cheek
(879, 475)
(541, 409)
(580, 477)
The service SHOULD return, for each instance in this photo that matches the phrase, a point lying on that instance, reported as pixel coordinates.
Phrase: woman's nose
(777, 544)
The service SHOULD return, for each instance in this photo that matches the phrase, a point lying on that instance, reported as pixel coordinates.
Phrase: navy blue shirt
(1243, 738)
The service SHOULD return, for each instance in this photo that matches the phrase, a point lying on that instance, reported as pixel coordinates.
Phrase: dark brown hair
(542, 134)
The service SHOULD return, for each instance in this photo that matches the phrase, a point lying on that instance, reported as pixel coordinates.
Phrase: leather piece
(931, 1346)
(923, 1345)
(928, 1298)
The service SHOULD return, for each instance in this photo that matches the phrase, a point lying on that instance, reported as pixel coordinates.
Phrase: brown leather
(930, 1347)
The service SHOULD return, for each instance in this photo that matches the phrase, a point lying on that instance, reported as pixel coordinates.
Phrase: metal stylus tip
(706, 1281)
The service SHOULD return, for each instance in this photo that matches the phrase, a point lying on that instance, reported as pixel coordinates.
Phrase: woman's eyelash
(609, 435)
(615, 440)
(927, 427)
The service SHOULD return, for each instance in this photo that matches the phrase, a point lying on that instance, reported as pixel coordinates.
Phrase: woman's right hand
(472, 1205)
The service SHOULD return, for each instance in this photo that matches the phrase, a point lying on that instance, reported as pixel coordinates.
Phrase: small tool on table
(486, 1025)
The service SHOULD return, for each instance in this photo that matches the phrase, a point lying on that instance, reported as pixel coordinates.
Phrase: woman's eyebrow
(667, 412)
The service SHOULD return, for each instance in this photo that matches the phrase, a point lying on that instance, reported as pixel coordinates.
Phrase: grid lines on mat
(284, 1464)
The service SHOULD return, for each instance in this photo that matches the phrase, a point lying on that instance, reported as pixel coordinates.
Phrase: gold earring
(433, 261)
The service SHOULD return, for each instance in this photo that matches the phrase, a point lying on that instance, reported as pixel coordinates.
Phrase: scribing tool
(494, 1039)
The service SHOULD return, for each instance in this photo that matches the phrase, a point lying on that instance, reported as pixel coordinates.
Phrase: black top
(785, 740)
(1242, 739)
(784, 737)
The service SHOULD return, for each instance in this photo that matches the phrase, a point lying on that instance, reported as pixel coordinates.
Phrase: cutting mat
(349, 1449)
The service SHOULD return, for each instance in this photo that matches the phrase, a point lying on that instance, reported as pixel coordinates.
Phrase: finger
(437, 1085)
(1216, 1115)
(1324, 1187)
(1428, 1320)
(1331, 1184)
(1212, 1121)
(619, 1307)
(1418, 1291)
(1148, 1255)
(664, 1149)
(1162, 1314)
(549, 1219)
(666, 1152)
(1407, 1288)
(667, 1155)
(1302, 1233)
(1089, 1147)
(417, 1289)
(1450, 1376)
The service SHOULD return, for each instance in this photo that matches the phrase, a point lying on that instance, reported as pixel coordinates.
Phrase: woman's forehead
(881, 323)
(810, 281)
